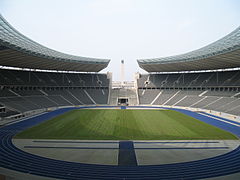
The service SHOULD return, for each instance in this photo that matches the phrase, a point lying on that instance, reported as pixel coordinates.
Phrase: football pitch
(125, 124)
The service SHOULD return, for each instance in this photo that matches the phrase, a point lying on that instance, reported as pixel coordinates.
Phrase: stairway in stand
(129, 94)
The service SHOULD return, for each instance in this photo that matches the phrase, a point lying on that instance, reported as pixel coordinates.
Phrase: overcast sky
(123, 29)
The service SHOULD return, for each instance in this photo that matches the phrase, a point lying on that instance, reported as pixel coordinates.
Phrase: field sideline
(115, 124)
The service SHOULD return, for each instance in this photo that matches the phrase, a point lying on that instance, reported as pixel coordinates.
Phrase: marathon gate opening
(123, 101)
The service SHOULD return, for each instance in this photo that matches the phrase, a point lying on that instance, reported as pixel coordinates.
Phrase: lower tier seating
(27, 100)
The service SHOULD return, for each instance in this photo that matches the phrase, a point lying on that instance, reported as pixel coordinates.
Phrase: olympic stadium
(62, 119)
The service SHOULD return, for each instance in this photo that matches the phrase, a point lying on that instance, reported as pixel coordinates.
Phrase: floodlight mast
(122, 72)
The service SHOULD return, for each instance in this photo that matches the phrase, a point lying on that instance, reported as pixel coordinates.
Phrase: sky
(123, 29)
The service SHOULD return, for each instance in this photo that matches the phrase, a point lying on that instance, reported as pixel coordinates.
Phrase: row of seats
(203, 79)
(5, 112)
(28, 100)
(24, 91)
(222, 101)
(33, 78)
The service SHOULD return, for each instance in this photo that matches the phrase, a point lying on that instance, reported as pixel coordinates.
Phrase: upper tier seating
(203, 79)
(33, 78)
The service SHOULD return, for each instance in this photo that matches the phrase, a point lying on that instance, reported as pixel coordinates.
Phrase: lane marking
(126, 155)
(226, 121)
(115, 142)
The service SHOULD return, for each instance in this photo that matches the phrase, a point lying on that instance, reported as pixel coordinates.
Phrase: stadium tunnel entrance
(123, 101)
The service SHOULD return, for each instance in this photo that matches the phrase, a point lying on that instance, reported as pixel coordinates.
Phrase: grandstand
(32, 88)
(34, 78)
(218, 91)
(204, 79)
(45, 89)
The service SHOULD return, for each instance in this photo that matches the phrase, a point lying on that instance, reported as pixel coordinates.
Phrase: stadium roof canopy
(222, 54)
(16, 50)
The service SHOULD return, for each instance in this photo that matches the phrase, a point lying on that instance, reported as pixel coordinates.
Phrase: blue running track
(15, 159)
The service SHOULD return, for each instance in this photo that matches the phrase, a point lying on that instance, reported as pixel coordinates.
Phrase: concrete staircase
(123, 93)
(114, 97)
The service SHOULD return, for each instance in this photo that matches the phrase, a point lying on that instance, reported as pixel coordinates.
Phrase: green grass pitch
(116, 124)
